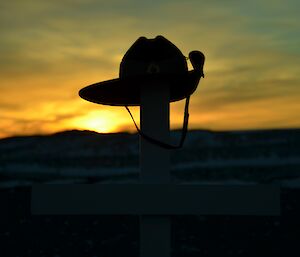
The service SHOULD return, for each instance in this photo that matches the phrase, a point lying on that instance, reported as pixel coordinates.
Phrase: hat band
(134, 68)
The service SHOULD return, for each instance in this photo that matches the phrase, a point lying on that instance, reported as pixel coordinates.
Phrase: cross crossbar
(155, 199)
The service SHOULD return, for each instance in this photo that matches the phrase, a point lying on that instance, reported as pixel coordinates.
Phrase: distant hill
(258, 155)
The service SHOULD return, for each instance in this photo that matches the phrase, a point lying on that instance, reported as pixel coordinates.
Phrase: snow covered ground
(251, 157)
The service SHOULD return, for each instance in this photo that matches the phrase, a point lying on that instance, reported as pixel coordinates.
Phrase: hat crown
(152, 56)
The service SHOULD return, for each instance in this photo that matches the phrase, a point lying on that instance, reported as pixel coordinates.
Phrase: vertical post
(155, 231)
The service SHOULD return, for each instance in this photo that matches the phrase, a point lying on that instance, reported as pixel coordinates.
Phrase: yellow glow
(99, 121)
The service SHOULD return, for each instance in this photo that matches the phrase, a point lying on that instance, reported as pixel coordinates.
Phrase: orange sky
(51, 49)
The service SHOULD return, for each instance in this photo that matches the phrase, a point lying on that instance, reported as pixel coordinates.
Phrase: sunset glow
(51, 49)
(102, 122)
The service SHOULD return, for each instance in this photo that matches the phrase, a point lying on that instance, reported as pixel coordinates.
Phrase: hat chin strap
(160, 143)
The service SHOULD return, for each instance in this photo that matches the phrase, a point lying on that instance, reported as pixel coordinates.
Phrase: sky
(51, 49)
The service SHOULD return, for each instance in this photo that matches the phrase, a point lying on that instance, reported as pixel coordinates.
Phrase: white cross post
(154, 198)
(155, 165)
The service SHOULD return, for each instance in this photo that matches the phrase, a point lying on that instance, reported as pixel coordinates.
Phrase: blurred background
(244, 120)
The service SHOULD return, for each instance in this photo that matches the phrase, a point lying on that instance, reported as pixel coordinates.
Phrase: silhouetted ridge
(75, 132)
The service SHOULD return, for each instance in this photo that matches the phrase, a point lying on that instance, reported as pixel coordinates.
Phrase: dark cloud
(6, 106)
(247, 92)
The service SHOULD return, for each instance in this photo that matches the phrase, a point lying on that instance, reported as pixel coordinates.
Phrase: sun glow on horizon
(100, 121)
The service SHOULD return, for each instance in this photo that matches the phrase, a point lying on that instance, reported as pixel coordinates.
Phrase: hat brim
(126, 91)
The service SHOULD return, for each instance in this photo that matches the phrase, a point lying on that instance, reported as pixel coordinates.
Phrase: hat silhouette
(148, 62)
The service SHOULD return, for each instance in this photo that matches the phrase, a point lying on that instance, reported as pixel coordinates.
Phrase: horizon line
(135, 132)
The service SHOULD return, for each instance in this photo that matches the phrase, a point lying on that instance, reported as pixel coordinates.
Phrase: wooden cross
(154, 198)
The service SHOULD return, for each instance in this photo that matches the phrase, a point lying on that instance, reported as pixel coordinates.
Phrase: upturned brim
(126, 91)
